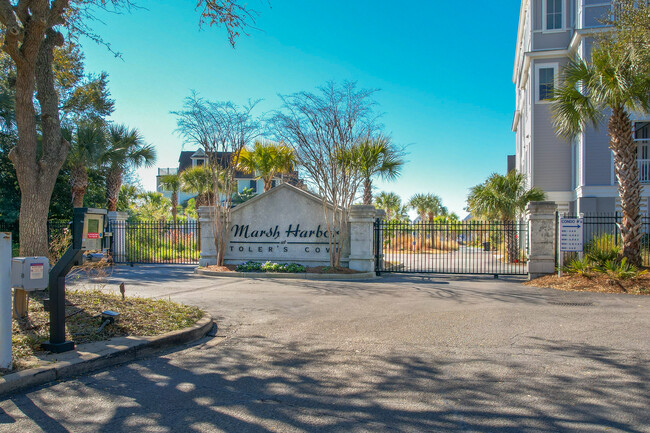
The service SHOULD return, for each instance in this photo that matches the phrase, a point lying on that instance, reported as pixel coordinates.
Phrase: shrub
(620, 269)
(601, 256)
(577, 266)
(252, 266)
(604, 242)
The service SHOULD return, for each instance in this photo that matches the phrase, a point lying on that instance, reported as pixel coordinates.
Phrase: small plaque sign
(571, 234)
(93, 235)
(36, 271)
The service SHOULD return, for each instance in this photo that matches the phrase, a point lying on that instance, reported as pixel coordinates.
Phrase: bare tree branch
(322, 127)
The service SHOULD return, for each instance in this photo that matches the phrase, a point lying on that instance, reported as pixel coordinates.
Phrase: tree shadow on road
(262, 385)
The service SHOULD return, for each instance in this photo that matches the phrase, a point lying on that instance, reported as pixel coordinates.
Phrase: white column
(362, 256)
(5, 300)
(541, 232)
(208, 254)
(117, 225)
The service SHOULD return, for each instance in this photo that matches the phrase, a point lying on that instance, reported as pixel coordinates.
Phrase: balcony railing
(644, 170)
(166, 171)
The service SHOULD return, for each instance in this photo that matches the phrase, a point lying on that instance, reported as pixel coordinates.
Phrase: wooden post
(21, 304)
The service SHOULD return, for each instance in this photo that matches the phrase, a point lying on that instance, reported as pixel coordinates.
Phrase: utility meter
(93, 231)
(30, 273)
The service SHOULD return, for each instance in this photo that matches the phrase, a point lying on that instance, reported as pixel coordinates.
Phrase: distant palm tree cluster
(428, 206)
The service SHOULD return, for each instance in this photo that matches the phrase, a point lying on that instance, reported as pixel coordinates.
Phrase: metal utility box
(93, 231)
(30, 273)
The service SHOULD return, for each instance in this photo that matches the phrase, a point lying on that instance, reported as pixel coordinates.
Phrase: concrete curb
(94, 356)
(290, 276)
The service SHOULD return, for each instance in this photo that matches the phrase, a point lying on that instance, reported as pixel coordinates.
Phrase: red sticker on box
(93, 235)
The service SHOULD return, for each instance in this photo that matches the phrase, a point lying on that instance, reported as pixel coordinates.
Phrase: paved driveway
(398, 354)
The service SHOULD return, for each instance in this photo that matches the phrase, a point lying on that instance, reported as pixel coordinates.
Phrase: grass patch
(138, 316)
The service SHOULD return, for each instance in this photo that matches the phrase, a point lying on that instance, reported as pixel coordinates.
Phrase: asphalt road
(415, 354)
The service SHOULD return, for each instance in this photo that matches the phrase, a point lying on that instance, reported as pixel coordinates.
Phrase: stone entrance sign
(285, 224)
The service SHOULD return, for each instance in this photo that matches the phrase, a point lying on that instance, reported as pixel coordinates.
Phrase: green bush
(252, 266)
(601, 256)
(620, 269)
(604, 242)
(580, 267)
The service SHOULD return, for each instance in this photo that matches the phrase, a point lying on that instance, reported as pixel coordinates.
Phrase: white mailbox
(30, 273)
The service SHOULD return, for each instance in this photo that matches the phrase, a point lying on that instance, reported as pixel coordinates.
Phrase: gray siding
(552, 156)
(590, 205)
(555, 40)
(598, 164)
(551, 41)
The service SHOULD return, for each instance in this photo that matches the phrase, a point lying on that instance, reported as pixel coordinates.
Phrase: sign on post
(571, 238)
(571, 234)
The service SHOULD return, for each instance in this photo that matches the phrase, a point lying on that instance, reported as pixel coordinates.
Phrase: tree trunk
(37, 167)
(268, 184)
(629, 185)
(78, 185)
(113, 185)
(367, 191)
(512, 249)
(174, 206)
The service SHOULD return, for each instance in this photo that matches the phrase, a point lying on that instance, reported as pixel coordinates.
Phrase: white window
(553, 11)
(546, 81)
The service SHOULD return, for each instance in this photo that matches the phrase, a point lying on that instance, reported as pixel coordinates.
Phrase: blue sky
(443, 69)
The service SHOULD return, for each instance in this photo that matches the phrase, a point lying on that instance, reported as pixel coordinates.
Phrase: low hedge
(252, 266)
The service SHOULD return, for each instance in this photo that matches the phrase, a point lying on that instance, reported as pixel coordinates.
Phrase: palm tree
(198, 180)
(128, 196)
(612, 83)
(390, 202)
(126, 151)
(173, 183)
(86, 147)
(419, 203)
(502, 198)
(375, 157)
(434, 207)
(267, 159)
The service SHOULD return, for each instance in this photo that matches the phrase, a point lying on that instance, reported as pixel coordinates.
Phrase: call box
(30, 273)
(93, 231)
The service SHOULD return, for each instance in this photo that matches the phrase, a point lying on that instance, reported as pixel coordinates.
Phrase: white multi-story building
(578, 175)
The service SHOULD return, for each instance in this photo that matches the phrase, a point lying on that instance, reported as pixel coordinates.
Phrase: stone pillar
(362, 256)
(117, 226)
(208, 254)
(540, 216)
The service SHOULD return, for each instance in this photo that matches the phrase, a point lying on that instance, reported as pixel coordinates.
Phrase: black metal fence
(472, 247)
(601, 232)
(155, 242)
(58, 233)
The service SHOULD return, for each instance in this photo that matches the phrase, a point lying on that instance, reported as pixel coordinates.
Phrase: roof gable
(276, 190)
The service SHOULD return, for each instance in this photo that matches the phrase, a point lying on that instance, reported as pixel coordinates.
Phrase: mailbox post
(87, 234)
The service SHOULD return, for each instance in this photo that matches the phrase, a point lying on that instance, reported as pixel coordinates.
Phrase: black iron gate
(155, 241)
(468, 247)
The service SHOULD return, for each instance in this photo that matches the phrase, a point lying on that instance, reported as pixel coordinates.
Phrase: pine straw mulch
(138, 317)
(600, 283)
